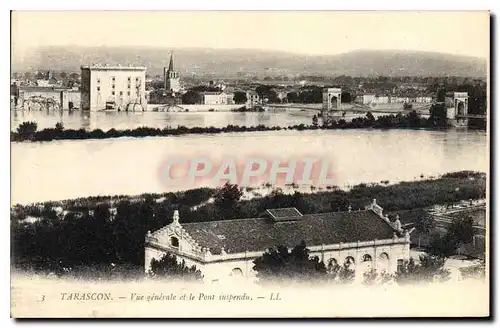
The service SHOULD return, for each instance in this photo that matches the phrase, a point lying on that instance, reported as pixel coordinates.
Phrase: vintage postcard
(250, 164)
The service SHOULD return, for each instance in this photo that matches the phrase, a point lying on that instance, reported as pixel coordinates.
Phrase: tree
(346, 97)
(341, 274)
(168, 267)
(191, 98)
(293, 97)
(370, 117)
(228, 196)
(41, 76)
(279, 265)
(462, 230)
(262, 91)
(267, 92)
(272, 97)
(430, 269)
(315, 121)
(441, 95)
(59, 126)
(74, 76)
(311, 95)
(442, 245)
(438, 115)
(26, 130)
(372, 277)
(424, 225)
(205, 88)
(413, 119)
(240, 97)
(474, 272)
(101, 213)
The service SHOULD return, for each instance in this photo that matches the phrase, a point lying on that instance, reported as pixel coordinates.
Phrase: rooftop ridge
(257, 218)
(113, 67)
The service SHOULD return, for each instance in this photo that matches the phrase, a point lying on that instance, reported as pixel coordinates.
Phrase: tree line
(28, 131)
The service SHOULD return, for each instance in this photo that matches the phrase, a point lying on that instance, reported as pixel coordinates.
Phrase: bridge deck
(472, 116)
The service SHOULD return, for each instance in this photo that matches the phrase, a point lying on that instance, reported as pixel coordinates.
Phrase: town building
(253, 98)
(113, 87)
(369, 99)
(41, 98)
(229, 98)
(172, 78)
(223, 249)
(221, 85)
(214, 98)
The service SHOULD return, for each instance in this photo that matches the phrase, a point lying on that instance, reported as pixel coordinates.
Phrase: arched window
(461, 108)
(384, 256)
(332, 267)
(383, 262)
(174, 242)
(350, 260)
(236, 272)
(367, 258)
(332, 262)
(334, 102)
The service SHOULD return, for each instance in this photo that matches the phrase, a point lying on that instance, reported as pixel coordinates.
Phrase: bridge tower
(331, 102)
(461, 102)
(457, 115)
(331, 99)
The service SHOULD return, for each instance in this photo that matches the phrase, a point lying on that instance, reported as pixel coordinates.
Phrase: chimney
(397, 224)
(176, 217)
(374, 203)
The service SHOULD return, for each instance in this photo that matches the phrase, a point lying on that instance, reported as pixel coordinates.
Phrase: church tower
(172, 79)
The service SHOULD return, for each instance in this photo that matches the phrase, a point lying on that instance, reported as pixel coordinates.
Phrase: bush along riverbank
(28, 131)
(107, 231)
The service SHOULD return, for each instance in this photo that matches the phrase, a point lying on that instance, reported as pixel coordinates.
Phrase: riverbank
(27, 131)
(110, 229)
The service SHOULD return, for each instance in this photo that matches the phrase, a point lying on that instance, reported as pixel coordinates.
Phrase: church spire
(171, 64)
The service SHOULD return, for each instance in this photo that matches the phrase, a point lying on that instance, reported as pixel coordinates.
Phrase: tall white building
(113, 87)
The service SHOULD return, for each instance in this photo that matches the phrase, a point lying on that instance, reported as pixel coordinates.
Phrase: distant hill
(231, 61)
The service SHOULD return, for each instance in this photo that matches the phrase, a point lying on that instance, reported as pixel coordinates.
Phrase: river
(77, 168)
(132, 120)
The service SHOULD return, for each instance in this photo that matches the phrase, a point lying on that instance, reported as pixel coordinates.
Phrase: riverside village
(406, 136)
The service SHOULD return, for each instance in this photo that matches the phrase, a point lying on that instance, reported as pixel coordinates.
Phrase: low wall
(192, 108)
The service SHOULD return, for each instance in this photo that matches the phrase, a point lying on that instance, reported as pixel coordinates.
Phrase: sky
(312, 32)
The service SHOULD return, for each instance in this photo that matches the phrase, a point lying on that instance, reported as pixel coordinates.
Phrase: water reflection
(132, 120)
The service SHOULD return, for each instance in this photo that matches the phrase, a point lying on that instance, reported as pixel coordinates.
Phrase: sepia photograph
(250, 164)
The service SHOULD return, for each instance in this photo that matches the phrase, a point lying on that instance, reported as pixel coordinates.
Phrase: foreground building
(225, 249)
(113, 88)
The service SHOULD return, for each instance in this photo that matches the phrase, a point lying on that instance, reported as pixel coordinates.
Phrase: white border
(188, 5)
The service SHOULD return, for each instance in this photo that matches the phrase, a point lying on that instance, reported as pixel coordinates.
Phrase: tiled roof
(284, 214)
(257, 234)
(211, 93)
